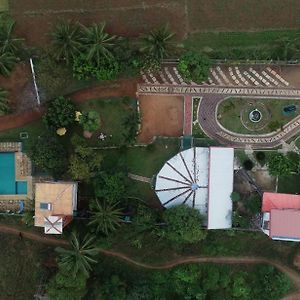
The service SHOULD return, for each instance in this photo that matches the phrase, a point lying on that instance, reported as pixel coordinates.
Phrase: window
(47, 206)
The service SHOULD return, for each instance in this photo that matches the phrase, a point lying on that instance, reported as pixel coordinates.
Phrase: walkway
(212, 96)
(293, 275)
(139, 178)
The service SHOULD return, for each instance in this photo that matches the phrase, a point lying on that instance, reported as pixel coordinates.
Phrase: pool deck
(23, 172)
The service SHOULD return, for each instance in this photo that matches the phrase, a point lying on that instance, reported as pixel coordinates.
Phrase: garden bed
(233, 114)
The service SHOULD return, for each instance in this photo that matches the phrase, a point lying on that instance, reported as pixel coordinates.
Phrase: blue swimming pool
(8, 183)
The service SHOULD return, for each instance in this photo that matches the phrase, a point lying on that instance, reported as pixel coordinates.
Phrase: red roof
(285, 223)
(280, 201)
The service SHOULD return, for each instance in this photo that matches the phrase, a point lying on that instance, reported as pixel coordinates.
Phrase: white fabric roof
(53, 225)
(220, 188)
(185, 179)
(175, 179)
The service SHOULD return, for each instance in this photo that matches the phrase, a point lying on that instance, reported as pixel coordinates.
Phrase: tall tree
(99, 44)
(158, 43)
(67, 41)
(79, 258)
(106, 216)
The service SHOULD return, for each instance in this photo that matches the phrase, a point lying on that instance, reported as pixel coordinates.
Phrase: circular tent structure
(201, 178)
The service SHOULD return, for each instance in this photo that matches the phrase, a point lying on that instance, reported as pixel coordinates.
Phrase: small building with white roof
(201, 178)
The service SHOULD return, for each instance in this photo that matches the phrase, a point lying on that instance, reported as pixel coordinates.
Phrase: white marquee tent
(201, 178)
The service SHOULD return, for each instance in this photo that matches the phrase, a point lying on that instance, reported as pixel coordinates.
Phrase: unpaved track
(118, 88)
(294, 276)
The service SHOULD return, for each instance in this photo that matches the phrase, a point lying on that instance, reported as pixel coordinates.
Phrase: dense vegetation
(187, 282)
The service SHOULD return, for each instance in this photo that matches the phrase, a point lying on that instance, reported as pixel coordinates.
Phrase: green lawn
(225, 40)
(289, 184)
(20, 267)
(3, 5)
(231, 110)
(113, 113)
(33, 129)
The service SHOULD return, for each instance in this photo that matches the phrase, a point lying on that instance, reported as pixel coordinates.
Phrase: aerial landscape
(149, 149)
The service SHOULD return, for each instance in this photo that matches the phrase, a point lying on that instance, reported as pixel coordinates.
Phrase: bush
(235, 197)
(49, 154)
(253, 204)
(84, 70)
(280, 165)
(248, 164)
(274, 125)
(194, 66)
(60, 113)
(90, 121)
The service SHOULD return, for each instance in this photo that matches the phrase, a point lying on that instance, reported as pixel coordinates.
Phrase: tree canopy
(194, 66)
(183, 225)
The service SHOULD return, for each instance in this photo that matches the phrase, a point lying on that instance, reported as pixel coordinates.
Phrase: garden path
(139, 178)
(293, 275)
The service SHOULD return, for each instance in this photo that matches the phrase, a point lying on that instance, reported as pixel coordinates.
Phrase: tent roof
(280, 201)
(201, 178)
(220, 188)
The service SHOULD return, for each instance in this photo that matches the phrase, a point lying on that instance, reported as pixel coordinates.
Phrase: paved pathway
(293, 275)
(212, 96)
(139, 178)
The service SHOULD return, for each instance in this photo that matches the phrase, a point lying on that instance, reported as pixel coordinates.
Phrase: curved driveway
(207, 117)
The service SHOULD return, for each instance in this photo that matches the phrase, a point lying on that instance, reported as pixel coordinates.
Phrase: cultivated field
(161, 116)
(35, 18)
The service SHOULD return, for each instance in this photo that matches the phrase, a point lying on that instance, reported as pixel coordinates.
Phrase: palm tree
(67, 41)
(4, 108)
(99, 44)
(8, 43)
(79, 258)
(287, 47)
(106, 217)
(158, 43)
(7, 62)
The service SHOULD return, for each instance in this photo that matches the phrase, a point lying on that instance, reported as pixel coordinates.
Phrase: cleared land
(35, 18)
(161, 116)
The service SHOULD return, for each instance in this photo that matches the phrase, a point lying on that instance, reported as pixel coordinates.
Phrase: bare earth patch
(161, 116)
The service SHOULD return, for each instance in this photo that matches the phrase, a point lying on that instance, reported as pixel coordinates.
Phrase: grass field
(231, 109)
(289, 184)
(20, 267)
(3, 5)
(225, 40)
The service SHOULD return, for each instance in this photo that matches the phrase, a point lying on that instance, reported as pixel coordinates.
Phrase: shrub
(235, 197)
(194, 66)
(49, 154)
(248, 164)
(60, 113)
(279, 165)
(90, 121)
(274, 125)
(84, 69)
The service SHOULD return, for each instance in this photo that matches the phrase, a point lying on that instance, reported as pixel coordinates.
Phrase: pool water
(8, 183)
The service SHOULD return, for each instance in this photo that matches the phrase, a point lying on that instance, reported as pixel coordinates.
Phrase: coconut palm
(7, 62)
(4, 108)
(99, 44)
(106, 217)
(158, 43)
(80, 257)
(67, 41)
(9, 43)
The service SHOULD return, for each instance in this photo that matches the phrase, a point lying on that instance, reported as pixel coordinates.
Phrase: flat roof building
(201, 178)
(55, 203)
